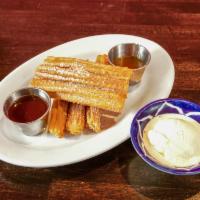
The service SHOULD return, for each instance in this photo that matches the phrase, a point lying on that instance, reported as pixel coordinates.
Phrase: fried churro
(57, 118)
(103, 59)
(77, 93)
(88, 79)
(93, 118)
(89, 66)
(75, 123)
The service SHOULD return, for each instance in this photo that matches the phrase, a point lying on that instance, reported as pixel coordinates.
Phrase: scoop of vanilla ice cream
(173, 140)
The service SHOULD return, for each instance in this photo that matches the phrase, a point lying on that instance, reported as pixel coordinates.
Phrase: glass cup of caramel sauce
(131, 55)
(28, 110)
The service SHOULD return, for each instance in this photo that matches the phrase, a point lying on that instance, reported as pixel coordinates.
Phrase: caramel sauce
(128, 61)
(27, 109)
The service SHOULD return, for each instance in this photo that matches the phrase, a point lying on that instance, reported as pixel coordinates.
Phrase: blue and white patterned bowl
(162, 106)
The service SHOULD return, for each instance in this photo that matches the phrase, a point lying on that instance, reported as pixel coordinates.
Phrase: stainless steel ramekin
(34, 127)
(131, 49)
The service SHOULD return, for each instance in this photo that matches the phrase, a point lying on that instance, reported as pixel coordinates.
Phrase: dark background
(30, 27)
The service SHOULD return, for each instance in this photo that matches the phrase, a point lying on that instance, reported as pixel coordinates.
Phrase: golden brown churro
(93, 118)
(103, 59)
(75, 123)
(57, 73)
(82, 95)
(57, 118)
(52, 116)
(61, 86)
(89, 66)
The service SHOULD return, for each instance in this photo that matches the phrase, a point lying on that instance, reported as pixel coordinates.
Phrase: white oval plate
(48, 151)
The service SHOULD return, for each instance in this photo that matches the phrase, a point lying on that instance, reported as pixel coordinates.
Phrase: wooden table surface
(27, 28)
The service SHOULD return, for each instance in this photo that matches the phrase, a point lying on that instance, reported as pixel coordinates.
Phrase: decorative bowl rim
(148, 160)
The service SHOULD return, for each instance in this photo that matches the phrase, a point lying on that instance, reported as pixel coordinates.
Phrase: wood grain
(30, 27)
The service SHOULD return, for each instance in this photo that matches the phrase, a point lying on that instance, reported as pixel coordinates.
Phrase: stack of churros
(82, 89)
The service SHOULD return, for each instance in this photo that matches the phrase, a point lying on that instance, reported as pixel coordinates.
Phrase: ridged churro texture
(75, 123)
(84, 82)
(90, 67)
(72, 76)
(93, 118)
(57, 118)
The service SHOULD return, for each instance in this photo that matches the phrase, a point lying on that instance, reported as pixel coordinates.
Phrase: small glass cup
(128, 50)
(37, 126)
